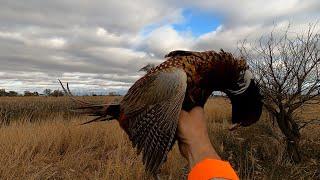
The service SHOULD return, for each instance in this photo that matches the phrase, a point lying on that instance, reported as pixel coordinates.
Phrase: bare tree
(12, 93)
(47, 92)
(57, 93)
(287, 66)
(29, 93)
(3, 92)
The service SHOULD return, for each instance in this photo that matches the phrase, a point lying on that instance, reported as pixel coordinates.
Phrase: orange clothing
(212, 168)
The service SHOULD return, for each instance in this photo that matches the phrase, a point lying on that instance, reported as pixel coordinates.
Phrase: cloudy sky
(99, 45)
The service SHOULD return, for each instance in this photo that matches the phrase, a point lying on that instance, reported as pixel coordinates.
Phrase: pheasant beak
(246, 107)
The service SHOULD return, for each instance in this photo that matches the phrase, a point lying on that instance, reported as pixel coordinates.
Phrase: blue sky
(198, 22)
(193, 21)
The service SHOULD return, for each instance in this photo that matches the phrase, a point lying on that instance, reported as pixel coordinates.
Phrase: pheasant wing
(152, 107)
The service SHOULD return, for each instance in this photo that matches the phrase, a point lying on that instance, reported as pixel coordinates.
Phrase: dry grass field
(41, 139)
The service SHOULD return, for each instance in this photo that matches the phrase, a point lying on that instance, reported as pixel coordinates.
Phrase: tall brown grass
(41, 139)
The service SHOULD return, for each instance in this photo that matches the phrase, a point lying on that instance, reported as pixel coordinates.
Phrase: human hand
(194, 142)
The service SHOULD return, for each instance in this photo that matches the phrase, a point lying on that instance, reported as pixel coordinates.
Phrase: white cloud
(52, 42)
(11, 35)
(164, 39)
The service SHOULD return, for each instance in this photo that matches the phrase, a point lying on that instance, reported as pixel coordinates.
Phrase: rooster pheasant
(149, 111)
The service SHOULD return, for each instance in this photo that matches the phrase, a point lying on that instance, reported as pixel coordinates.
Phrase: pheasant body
(149, 112)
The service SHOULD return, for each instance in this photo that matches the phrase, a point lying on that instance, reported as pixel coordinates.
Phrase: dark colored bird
(149, 112)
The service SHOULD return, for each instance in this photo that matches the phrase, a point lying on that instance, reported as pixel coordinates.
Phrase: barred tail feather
(103, 112)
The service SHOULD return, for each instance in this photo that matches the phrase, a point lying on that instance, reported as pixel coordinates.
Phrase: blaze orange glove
(212, 168)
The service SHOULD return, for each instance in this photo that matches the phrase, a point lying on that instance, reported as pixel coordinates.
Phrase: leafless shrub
(287, 66)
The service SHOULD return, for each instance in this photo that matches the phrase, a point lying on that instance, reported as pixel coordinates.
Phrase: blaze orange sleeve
(212, 168)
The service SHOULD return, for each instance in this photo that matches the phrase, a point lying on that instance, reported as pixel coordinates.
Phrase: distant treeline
(47, 92)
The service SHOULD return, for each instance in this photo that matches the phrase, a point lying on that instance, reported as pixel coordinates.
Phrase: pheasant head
(237, 81)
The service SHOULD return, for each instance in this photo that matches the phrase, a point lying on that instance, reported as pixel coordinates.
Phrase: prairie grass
(41, 139)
